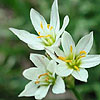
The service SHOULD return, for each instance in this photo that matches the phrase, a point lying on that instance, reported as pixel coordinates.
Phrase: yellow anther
(43, 36)
(47, 78)
(38, 33)
(48, 35)
(48, 25)
(62, 58)
(71, 48)
(76, 68)
(40, 36)
(43, 75)
(41, 25)
(82, 54)
(51, 28)
(37, 82)
(68, 61)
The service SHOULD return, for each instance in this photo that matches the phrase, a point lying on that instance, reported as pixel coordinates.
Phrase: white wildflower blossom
(48, 34)
(42, 77)
(73, 60)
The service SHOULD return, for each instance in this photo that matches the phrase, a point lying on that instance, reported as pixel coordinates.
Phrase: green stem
(76, 93)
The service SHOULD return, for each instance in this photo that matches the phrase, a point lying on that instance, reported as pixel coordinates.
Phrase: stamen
(38, 33)
(62, 58)
(48, 35)
(47, 78)
(43, 75)
(51, 28)
(41, 25)
(48, 25)
(40, 36)
(71, 48)
(82, 54)
(76, 68)
(68, 60)
(44, 36)
(37, 82)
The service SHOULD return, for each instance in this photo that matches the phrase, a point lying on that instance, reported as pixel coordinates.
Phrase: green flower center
(48, 39)
(45, 79)
(73, 61)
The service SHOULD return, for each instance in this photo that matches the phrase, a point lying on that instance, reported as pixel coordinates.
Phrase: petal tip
(31, 55)
(91, 32)
(85, 80)
(24, 73)
(67, 17)
(11, 29)
(20, 95)
(31, 9)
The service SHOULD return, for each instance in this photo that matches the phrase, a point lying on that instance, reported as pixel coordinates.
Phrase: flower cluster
(71, 60)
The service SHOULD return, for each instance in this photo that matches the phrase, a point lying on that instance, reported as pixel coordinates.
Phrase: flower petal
(36, 46)
(54, 53)
(67, 42)
(57, 43)
(85, 43)
(39, 60)
(41, 92)
(29, 90)
(90, 61)
(28, 38)
(54, 20)
(33, 73)
(59, 86)
(81, 75)
(63, 70)
(52, 66)
(37, 19)
(65, 23)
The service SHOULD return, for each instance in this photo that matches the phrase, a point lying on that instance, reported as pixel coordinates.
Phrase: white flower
(48, 34)
(42, 78)
(74, 60)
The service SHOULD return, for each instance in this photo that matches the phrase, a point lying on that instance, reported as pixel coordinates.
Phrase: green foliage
(14, 54)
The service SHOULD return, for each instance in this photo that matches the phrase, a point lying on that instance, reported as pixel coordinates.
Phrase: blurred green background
(14, 54)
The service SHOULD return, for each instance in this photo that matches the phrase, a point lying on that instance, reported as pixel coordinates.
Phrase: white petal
(63, 70)
(57, 42)
(42, 92)
(65, 23)
(54, 53)
(90, 61)
(81, 75)
(85, 43)
(36, 46)
(25, 36)
(59, 86)
(59, 52)
(29, 90)
(39, 60)
(52, 66)
(28, 38)
(54, 21)
(37, 19)
(67, 42)
(33, 73)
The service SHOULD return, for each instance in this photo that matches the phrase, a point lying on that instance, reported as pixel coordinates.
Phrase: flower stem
(76, 93)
